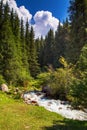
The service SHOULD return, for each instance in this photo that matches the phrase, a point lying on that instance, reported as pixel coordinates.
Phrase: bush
(2, 80)
(79, 91)
(61, 80)
(44, 78)
(60, 83)
(82, 63)
(23, 79)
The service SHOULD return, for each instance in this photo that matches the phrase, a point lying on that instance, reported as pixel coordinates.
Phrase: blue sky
(43, 15)
(57, 7)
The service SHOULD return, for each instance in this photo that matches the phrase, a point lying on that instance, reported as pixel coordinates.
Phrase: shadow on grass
(67, 125)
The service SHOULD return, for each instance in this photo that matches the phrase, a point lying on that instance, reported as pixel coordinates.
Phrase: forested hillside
(59, 60)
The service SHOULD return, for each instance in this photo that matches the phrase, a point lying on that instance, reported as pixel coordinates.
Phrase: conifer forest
(58, 60)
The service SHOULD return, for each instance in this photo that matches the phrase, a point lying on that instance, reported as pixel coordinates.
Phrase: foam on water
(56, 106)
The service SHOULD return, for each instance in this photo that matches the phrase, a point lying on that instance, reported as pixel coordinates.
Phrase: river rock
(47, 90)
(65, 109)
(4, 88)
(33, 102)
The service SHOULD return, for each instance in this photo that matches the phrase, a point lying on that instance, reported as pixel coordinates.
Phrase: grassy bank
(15, 115)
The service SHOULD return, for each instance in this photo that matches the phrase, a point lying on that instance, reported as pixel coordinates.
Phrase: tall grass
(16, 115)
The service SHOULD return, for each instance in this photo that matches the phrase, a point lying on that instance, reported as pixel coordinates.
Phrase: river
(61, 107)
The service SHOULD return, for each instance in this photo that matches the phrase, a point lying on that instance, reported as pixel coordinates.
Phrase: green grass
(15, 115)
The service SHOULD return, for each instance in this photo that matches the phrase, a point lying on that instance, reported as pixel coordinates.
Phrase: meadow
(16, 115)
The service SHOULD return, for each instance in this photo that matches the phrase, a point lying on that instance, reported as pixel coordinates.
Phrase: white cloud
(21, 11)
(4, 1)
(24, 13)
(43, 22)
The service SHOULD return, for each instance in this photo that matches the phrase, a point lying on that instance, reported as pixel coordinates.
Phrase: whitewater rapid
(57, 106)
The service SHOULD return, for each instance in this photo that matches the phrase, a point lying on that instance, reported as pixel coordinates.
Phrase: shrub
(79, 91)
(2, 80)
(60, 83)
(44, 78)
(61, 80)
(82, 63)
(24, 78)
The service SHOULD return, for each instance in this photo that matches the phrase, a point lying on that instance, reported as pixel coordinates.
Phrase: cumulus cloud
(43, 22)
(21, 11)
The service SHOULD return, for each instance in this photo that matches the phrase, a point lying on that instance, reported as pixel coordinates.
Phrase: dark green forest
(59, 60)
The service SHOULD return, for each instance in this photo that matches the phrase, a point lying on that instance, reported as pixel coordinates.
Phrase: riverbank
(16, 115)
(61, 107)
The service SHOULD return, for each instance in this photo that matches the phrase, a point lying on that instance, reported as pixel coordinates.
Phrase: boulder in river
(4, 88)
(47, 90)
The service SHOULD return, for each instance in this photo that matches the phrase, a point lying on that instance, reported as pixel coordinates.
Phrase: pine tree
(27, 41)
(41, 54)
(12, 20)
(49, 49)
(11, 64)
(82, 62)
(20, 58)
(79, 86)
(23, 46)
(60, 45)
(66, 39)
(78, 24)
(8, 50)
(40, 50)
(33, 60)
(17, 38)
(1, 13)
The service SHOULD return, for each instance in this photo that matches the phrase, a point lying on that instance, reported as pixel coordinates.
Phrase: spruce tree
(82, 62)
(60, 44)
(8, 49)
(27, 41)
(78, 34)
(33, 60)
(21, 59)
(66, 39)
(40, 50)
(12, 20)
(1, 13)
(23, 46)
(41, 54)
(49, 48)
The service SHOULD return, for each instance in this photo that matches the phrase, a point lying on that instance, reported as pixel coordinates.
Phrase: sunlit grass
(16, 115)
